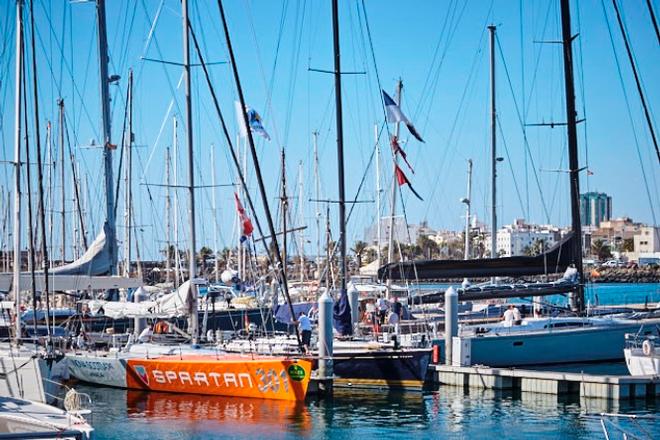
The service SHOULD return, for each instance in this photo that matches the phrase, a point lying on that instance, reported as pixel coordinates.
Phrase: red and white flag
(396, 148)
(246, 224)
(402, 179)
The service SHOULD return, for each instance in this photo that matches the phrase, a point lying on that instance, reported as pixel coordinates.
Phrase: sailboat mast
(301, 212)
(168, 215)
(215, 217)
(493, 147)
(576, 300)
(390, 241)
(285, 209)
(40, 179)
(378, 194)
(317, 191)
(177, 255)
(192, 267)
(16, 285)
(129, 172)
(60, 104)
(107, 146)
(340, 147)
(468, 203)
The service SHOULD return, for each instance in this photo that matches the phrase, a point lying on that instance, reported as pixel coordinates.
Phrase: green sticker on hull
(296, 372)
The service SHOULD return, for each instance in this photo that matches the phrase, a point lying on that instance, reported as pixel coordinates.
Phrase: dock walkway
(547, 382)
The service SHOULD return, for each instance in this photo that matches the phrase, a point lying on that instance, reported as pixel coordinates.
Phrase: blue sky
(438, 48)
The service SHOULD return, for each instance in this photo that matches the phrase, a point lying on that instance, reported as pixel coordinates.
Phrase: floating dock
(547, 382)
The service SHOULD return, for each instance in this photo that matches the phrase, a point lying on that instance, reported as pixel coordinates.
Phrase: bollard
(353, 300)
(451, 321)
(139, 324)
(325, 337)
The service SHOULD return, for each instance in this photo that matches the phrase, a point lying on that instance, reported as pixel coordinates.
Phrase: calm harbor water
(449, 413)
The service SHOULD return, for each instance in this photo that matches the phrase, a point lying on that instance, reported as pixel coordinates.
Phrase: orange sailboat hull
(240, 376)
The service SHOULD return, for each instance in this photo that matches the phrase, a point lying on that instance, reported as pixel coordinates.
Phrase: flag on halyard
(254, 121)
(396, 148)
(394, 114)
(402, 179)
(246, 224)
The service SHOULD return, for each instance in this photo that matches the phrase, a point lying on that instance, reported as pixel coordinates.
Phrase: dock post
(353, 299)
(325, 337)
(451, 321)
(139, 324)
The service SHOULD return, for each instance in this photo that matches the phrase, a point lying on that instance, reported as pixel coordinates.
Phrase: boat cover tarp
(95, 261)
(554, 260)
(172, 305)
(341, 314)
(282, 312)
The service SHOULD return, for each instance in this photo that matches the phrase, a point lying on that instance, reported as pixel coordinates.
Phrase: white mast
(215, 216)
(177, 257)
(317, 185)
(16, 286)
(378, 191)
(468, 201)
(129, 165)
(168, 215)
(301, 210)
(493, 145)
(390, 248)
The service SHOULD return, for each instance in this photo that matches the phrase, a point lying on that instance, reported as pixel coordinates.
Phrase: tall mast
(468, 203)
(340, 147)
(390, 241)
(577, 300)
(16, 285)
(168, 215)
(107, 146)
(493, 147)
(215, 217)
(60, 104)
(129, 172)
(40, 180)
(257, 170)
(192, 267)
(301, 211)
(378, 194)
(317, 191)
(177, 255)
(285, 208)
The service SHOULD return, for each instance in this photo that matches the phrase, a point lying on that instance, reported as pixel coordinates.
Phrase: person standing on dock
(512, 315)
(305, 325)
(383, 308)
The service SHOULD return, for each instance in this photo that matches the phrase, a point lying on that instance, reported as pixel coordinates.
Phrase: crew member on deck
(305, 326)
(146, 334)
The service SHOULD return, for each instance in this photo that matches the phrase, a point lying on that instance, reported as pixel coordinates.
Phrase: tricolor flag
(254, 121)
(394, 114)
(396, 148)
(246, 224)
(402, 179)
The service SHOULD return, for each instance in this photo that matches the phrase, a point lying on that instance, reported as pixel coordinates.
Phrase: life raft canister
(647, 348)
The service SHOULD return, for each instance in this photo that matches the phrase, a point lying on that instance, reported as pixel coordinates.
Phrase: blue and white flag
(394, 114)
(254, 121)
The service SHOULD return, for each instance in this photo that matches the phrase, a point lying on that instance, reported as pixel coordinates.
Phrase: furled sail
(554, 260)
(172, 305)
(95, 261)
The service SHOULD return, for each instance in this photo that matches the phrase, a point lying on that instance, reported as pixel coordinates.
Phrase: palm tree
(358, 249)
(601, 250)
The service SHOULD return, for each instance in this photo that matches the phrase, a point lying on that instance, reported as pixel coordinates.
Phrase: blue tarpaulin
(342, 315)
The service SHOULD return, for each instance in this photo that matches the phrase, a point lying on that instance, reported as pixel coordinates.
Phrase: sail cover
(172, 305)
(95, 261)
(554, 260)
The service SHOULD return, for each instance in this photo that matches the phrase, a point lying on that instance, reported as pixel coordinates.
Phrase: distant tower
(595, 208)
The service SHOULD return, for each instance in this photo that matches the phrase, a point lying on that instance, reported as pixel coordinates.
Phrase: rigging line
(508, 158)
(235, 158)
(582, 96)
(152, 28)
(520, 121)
(649, 6)
(537, 63)
(630, 116)
(268, 85)
(452, 131)
(637, 79)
